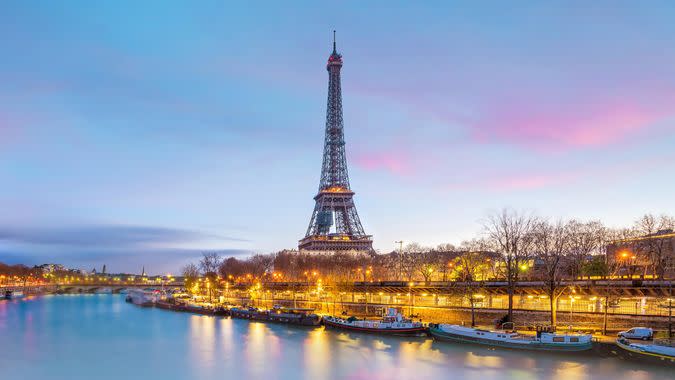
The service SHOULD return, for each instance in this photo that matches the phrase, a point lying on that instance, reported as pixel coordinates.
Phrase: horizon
(146, 138)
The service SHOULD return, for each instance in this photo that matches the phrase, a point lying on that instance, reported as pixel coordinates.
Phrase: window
(574, 339)
(558, 339)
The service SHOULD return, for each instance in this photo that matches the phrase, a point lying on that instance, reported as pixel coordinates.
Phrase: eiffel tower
(335, 224)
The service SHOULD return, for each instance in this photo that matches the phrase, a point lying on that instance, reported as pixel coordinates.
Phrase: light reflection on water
(101, 337)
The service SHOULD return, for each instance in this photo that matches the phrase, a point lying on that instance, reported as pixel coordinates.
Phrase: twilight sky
(142, 133)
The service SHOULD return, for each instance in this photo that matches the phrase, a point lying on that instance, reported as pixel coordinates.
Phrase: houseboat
(248, 313)
(294, 316)
(12, 294)
(392, 323)
(648, 353)
(142, 297)
(278, 314)
(542, 341)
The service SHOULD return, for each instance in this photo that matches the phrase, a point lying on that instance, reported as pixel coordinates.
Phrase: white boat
(653, 353)
(544, 341)
(143, 297)
(392, 323)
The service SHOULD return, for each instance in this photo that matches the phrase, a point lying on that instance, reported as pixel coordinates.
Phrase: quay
(602, 345)
(631, 302)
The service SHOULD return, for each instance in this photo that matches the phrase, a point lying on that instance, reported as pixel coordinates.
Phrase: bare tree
(409, 260)
(468, 269)
(551, 244)
(446, 247)
(261, 265)
(190, 273)
(584, 239)
(210, 263)
(510, 233)
(610, 268)
(656, 250)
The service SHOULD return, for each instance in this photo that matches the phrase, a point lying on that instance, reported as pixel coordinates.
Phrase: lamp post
(412, 300)
(400, 258)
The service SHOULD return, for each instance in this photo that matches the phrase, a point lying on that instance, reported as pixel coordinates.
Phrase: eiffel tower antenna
(334, 46)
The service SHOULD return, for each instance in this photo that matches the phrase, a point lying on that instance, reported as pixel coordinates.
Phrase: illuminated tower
(335, 224)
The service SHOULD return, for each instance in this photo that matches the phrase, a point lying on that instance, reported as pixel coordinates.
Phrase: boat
(169, 304)
(648, 353)
(198, 309)
(278, 314)
(392, 323)
(542, 341)
(248, 313)
(12, 294)
(294, 316)
(141, 297)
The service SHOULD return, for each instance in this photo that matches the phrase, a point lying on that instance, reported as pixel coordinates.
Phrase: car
(644, 333)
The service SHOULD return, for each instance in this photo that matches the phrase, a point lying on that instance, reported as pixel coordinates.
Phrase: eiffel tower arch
(335, 224)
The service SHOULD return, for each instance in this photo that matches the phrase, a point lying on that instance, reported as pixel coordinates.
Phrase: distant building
(51, 268)
(648, 255)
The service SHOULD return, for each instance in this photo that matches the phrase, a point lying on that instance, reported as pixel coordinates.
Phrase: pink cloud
(567, 126)
(397, 163)
(532, 181)
(537, 180)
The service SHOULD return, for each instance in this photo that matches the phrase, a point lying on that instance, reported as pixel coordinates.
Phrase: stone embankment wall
(487, 317)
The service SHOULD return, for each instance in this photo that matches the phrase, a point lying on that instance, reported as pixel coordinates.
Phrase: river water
(102, 337)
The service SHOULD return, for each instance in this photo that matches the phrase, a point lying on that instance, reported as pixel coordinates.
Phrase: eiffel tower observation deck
(335, 224)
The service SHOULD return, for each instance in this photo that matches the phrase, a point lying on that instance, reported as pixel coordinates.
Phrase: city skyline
(129, 138)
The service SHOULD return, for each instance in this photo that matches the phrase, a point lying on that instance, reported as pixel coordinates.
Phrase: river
(102, 337)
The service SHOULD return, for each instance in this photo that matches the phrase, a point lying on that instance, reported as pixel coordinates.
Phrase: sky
(144, 133)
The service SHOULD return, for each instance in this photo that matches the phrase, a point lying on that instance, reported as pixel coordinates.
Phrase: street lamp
(400, 258)
(412, 300)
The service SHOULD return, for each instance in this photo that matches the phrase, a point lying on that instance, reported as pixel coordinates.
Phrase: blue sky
(143, 133)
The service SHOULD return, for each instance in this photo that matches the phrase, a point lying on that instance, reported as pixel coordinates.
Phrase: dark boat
(392, 323)
(245, 313)
(11, 294)
(278, 314)
(199, 309)
(169, 305)
(294, 316)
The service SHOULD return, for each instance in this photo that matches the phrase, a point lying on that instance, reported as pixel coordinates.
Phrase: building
(51, 268)
(335, 224)
(650, 255)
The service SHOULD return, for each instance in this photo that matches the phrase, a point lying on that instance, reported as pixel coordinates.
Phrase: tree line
(513, 246)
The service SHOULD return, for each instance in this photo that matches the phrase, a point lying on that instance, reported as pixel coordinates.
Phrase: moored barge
(278, 314)
(647, 353)
(543, 341)
(392, 323)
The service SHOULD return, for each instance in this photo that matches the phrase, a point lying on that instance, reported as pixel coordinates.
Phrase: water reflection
(316, 354)
(84, 337)
(202, 342)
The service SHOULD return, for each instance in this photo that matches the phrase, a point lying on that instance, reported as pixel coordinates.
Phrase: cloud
(561, 125)
(155, 261)
(533, 180)
(115, 236)
(394, 162)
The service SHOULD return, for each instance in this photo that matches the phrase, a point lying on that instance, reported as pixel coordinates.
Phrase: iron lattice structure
(334, 205)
